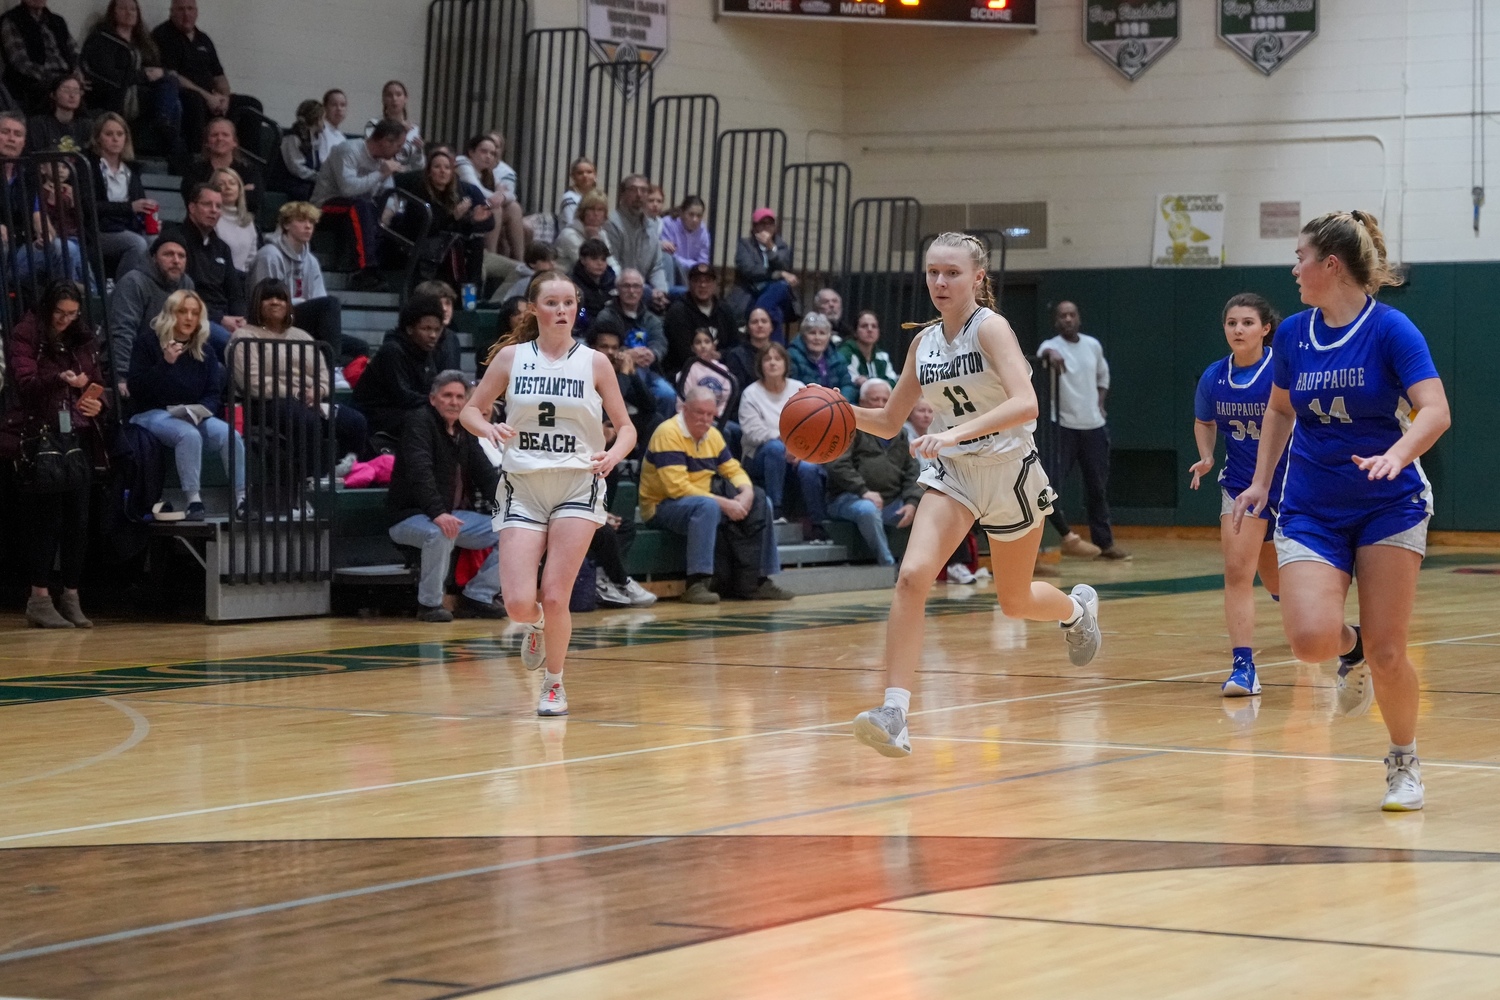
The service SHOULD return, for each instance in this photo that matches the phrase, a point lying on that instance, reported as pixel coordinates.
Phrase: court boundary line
(615, 755)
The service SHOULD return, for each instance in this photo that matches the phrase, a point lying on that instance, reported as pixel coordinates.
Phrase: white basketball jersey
(555, 409)
(960, 381)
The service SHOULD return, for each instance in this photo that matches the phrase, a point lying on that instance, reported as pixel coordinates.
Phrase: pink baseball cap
(761, 215)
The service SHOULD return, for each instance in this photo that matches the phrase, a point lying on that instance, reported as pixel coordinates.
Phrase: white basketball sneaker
(554, 702)
(1354, 688)
(1403, 783)
(533, 646)
(884, 728)
(1083, 636)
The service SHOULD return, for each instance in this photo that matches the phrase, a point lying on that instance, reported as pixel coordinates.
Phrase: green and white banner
(1130, 35)
(1267, 32)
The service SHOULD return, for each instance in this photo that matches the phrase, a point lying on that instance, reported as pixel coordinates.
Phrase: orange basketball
(817, 424)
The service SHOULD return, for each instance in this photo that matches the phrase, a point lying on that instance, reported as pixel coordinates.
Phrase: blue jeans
(664, 394)
(478, 532)
(60, 260)
(218, 339)
(187, 442)
(166, 101)
(768, 468)
(871, 522)
(779, 302)
(697, 518)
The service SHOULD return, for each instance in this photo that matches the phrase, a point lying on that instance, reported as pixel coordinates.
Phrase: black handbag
(52, 462)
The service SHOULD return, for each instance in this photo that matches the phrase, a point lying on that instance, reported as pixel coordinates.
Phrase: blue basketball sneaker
(1242, 681)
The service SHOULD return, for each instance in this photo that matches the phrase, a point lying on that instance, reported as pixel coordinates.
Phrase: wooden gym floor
(370, 809)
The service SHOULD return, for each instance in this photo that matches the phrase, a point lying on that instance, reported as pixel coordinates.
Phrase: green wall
(1160, 329)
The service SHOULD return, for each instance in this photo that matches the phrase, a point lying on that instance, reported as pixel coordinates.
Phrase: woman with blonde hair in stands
(969, 366)
(588, 224)
(1355, 379)
(177, 387)
(556, 392)
(237, 224)
(120, 197)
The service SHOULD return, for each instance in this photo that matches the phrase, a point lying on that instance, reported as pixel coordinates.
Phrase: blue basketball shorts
(1305, 538)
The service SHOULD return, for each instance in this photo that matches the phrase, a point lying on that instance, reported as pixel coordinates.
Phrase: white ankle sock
(1410, 750)
(195, 497)
(898, 698)
(550, 680)
(1077, 613)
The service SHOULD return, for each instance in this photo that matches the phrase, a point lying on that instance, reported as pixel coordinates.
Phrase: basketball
(817, 425)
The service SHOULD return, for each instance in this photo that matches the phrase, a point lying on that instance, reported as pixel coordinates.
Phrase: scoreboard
(980, 13)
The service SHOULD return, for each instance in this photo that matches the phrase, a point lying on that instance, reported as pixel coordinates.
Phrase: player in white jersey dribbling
(552, 470)
(985, 468)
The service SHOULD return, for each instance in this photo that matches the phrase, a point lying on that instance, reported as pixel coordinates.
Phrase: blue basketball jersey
(1235, 399)
(1348, 385)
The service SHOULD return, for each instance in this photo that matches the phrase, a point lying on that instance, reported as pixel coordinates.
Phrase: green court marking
(452, 652)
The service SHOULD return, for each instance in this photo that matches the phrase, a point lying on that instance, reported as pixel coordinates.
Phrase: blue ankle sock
(1245, 655)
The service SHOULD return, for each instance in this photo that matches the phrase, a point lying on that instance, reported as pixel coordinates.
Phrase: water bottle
(471, 297)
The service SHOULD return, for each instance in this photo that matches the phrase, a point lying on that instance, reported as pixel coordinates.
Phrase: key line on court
(140, 726)
(1247, 935)
(614, 755)
(116, 937)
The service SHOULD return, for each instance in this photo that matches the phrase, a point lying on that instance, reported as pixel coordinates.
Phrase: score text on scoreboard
(981, 13)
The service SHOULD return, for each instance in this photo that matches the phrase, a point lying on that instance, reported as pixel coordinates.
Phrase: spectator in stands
(288, 257)
(54, 358)
(582, 181)
(701, 309)
(688, 234)
(916, 425)
(461, 219)
(483, 167)
(221, 151)
(706, 370)
(125, 75)
(742, 359)
(398, 377)
(300, 382)
(120, 200)
(862, 352)
(539, 259)
(56, 222)
(176, 383)
(440, 471)
(611, 542)
(633, 243)
(656, 209)
(587, 224)
(237, 224)
(351, 178)
(140, 296)
(606, 335)
(412, 155)
(38, 49)
(211, 266)
(335, 110)
(447, 352)
(874, 483)
(682, 460)
(12, 145)
(595, 280)
(815, 363)
(831, 304)
(205, 89)
(62, 129)
(763, 270)
(302, 150)
(644, 339)
(760, 424)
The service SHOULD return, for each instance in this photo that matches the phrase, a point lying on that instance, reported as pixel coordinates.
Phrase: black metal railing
(882, 266)
(281, 395)
(554, 89)
(472, 77)
(814, 202)
(259, 136)
(683, 135)
(746, 175)
(616, 124)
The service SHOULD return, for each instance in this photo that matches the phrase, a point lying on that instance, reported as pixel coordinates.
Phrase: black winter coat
(427, 461)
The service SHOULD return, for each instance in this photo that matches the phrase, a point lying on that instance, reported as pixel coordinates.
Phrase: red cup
(153, 222)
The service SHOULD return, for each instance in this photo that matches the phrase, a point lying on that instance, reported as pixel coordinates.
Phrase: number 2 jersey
(556, 411)
(1349, 387)
(962, 382)
(1235, 399)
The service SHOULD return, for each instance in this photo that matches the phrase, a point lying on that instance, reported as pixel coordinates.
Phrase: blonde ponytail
(1356, 240)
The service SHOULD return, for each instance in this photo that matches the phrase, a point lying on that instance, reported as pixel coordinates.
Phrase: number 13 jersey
(1349, 387)
(962, 382)
(556, 411)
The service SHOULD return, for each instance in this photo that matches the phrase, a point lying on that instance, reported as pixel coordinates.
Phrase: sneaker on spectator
(780, 520)
(345, 466)
(983, 575)
(241, 510)
(195, 511)
(1116, 553)
(1075, 545)
(699, 593)
(470, 608)
(164, 513)
(959, 573)
(639, 596)
(610, 592)
(769, 591)
(434, 615)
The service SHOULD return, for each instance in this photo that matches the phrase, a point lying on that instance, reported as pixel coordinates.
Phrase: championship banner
(1130, 36)
(1267, 32)
(627, 30)
(1189, 231)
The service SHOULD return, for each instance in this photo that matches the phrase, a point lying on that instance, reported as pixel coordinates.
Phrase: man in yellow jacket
(676, 495)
